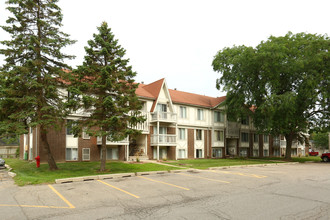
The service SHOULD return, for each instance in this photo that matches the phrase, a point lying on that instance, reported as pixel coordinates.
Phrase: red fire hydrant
(38, 161)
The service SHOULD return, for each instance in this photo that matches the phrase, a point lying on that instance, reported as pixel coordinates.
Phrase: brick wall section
(207, 144)
(171, 152)
(250, 150)
(271, 148)
(91, 144)
(171, 130)
(191, 143)
(121, 152)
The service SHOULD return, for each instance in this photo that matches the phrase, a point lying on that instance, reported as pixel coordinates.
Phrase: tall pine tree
(33, 64)
(104, 87)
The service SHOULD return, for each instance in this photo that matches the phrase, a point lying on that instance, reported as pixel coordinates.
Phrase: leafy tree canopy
(321, 139)
(285, 79)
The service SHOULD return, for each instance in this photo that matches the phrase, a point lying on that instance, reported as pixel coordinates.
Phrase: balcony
(232, 130)
(164, 139)
(123, 142)
(164, 117)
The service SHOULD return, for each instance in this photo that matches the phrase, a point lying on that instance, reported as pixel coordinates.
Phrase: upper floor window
(183, 112)
(256, 138)
(219, 117)
(219, 135)
(69, 126)
(245, 137)
(266, 138)
(245, 120)
(161, 107)
(182, 134)
(199, 135)
(200, 114)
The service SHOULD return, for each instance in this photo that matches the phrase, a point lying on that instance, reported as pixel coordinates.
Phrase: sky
(178, 39)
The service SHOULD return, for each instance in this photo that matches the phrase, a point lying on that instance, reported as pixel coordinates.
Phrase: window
(85, 135)
(218, 135)
(199, 135)
(219, 117)
(217, 152)
(111, 153)
(243, 152)
(245, 137)
(276, 152)
(255, 153)
(199, 153)
(183, 112)
(200, 114)
(69, 127)
(182, 134)
(266, 154)
(161, 107)
(85, 154)
(71, 154)
(245, 120)
(266, 140)
(182, 153)
(293, 152)
(256, 138)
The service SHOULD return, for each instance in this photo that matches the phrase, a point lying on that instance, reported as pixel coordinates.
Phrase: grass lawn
(206, 163)
(27, 173)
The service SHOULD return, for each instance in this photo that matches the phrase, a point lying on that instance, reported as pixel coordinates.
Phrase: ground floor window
(112, 153)
(277, 152)
(199, 153)
(256, 153)
(293, 152)
(162, 153)
(217, 152)
(266, 153)
(182, 153)
(71, 154)
(86, 154)
(243, 152)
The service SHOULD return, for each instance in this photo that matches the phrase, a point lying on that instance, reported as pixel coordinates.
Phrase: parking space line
(44, 206)
(221, 181)
(157, 181)
(119, 189)
(62, 197)
(239, 174)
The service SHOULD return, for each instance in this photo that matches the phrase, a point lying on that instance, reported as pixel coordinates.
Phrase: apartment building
(179, 125)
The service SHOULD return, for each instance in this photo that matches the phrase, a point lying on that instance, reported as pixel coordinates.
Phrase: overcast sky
(177, 39)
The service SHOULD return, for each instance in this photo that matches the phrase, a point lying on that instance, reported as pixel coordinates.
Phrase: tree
(321, 139)
(33, 63)
(104, 87)
(285, 78)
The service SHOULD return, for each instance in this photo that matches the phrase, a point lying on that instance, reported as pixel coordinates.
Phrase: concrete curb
(252, 165)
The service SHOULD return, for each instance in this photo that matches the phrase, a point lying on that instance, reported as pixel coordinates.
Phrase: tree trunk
(288, 138)
(104, 152)
(45, 144)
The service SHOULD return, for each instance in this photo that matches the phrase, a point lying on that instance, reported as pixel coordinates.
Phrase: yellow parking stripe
(44, 206)
(221, 181)
(119, 189)
(239, 174)
(180, 187)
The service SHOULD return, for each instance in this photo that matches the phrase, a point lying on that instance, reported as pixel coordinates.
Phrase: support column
(157, 140)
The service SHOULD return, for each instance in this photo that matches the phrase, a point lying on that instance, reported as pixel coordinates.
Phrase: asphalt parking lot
(300, 191)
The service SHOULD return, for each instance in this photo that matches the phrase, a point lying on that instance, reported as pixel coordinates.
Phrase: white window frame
(183, 112)
(219, 116)
(182, 134)
(245, 140)
(86, 154)
(200, 114)
(71, 159)
(201, 138)
(85, 136)
(219, 135)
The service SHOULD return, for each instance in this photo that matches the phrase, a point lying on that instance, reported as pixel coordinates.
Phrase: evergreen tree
(29, 85)
(104, 87)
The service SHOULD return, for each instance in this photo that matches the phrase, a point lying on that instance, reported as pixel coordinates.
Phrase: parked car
(313, 153)
(326, 157)
(2, 162)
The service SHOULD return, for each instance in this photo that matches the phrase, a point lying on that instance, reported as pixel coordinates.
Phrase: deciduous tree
(286, 79)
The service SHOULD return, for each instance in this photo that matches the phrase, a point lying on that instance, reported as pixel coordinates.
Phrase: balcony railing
(163, 116)
(232, 130)
(164, 139)
(122, 142)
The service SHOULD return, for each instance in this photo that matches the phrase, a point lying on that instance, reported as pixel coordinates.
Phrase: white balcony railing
(163, 116)
(122, 142)
(164, 139)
